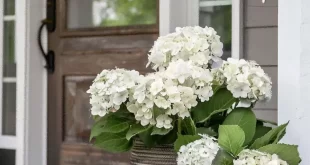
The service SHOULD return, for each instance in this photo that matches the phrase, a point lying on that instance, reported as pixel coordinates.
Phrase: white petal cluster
(110, 89)
(200, 45)
(253, 157)
(172, 92)
(245, 80)
(199, 152)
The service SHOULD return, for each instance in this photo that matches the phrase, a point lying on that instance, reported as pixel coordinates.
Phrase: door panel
(80, 55)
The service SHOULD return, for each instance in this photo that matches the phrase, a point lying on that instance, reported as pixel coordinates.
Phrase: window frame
(31, 111)
(6, 141)
(172, 16)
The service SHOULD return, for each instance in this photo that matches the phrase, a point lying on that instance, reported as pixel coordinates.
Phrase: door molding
(31, 126)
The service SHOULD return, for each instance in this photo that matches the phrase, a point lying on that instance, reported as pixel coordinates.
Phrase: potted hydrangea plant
(194, 109)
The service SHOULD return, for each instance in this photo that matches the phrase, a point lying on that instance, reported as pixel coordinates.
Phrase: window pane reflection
(217, 14)
(9, 49)
(7, 157)
(9, 109)
(9, 7)
(105, 13)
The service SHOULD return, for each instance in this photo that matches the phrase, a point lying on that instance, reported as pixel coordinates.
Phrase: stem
(179, 125)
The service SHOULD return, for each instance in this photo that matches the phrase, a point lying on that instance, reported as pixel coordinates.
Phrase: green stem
(179, 125)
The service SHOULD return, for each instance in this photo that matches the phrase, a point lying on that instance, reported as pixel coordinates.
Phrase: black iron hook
(50, 56)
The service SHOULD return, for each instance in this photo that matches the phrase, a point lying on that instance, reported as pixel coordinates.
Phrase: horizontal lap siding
(261, 44)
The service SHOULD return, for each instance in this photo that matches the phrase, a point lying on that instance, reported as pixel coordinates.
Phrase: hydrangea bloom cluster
(199, 152)
(171, 92)
(245, 80)
(253, 157)
(200, 45)
(110, 89)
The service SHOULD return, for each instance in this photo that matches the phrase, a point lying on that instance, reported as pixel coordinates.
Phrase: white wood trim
(21, 72)
(31, 85)
(294, 73)
(1, 62)
(192, 13)
(9, 79)
(9, 18)
(8, 142)
(215, 3)
(164, 17)
(236, 29)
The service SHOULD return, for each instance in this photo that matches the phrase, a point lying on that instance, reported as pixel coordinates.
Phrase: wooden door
(92, 35)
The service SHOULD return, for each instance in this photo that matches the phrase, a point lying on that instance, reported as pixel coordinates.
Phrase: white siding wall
(294, 73)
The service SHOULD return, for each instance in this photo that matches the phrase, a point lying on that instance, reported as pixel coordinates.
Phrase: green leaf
(97, 128)
(222, 158)
(209, 131)
(271, 137)
(112, 122)
(188, 126)
(135, 129)
(160, 131)
(115, 125)
(113, 142)
(260, 131)
(288, 153)
(244, 118)
(219, 102)
(96, 118)
(147, 138)
(169, 138)
(123, 113)
(158, 111)
(215, 88)
(231, 138)
(184, 140)
(279, 136)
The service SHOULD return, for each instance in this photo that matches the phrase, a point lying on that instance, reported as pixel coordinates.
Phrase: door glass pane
(76, 148)
(217, 14)
(7, 157)
(104, 13)
(9, 7)
(78, 120)
(9, 109)
(9, 49)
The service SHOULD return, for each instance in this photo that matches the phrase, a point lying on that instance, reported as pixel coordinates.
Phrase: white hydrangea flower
(245, 80)
(253, 157)
(110, 89)
(174, 91)
(164, 121)
(199, 152)
(200, 45)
